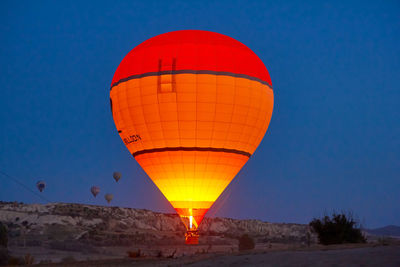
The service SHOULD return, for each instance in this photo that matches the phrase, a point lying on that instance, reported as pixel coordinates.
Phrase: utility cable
(24, 186)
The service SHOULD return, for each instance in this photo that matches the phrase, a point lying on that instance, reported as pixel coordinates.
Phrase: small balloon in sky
(40, 185)
(109, 197)
(95, 190)
(117, 176)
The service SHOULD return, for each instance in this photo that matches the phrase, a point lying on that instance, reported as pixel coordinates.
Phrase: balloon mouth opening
(191, 217)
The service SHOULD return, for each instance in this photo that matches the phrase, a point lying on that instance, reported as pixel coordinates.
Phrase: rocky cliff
(77, 226)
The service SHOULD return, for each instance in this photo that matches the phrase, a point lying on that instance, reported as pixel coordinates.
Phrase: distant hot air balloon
(191, 106)
(95, 190)
(109, 197)
(41, 185)
(117, 176)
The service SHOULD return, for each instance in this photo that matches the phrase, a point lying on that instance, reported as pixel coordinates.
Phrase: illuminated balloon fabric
(95, 190)
(41, 185)
(191, 106)
(117, 176)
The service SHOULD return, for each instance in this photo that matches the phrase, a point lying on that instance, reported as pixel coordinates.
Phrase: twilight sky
(333, 142)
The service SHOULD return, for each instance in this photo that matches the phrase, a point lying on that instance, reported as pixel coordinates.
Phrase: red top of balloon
(192, 50)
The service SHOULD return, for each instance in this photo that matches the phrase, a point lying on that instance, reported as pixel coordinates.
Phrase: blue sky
(332, 144)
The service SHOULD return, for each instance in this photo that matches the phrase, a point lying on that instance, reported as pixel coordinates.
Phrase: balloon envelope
(95, 190)
(109, 197)
(117, 176)
(192, 107)
(41, 185)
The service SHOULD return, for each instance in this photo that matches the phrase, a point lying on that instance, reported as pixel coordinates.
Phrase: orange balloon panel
(191, 130)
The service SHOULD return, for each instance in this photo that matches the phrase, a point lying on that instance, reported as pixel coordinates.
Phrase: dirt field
(330, 256)
(372, 256)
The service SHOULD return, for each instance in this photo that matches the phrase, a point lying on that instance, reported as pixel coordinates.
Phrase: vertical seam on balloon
(254, 88)
(233, 109)
(251, 87)
(199, 182)
(258, 118)
(166, 179)
(159, 76)
(118, 95)
(230, 122)
(173, 76)
(195, 153)
(260, 131)
(213, 123)
(214, 128)
(180, 143)
(270, 113)
(144, 117)
(174, 63)
(159, 91)
(129, 108)
(124, 91)
(194, 188)
(118, 112)
(196, 88)
(182, 190)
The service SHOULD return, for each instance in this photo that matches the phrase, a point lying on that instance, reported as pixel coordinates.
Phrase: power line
(24, 186)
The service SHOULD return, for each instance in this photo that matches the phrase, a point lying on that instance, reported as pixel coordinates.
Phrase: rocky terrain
(390, 231)
(37, 225)
(98, 235)
(101, 231)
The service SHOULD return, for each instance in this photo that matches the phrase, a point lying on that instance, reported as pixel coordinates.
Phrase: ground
(68, 234)
(339, 255)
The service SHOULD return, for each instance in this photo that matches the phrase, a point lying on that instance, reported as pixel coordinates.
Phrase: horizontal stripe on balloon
(205, 149)
(172, 72)
(191, 204)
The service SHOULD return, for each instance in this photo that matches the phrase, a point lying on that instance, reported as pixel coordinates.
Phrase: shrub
(134, 254)
(16, 261)
(338, 230)
(45, 261)
(172, 255)
(29, 259)
(4, 256)
(68, 259)
(246, 243)
(3, 235)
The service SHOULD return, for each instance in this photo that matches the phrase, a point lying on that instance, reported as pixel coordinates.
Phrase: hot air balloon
(95, 190)
(117, 176)
(191, 107)
(41, 185)
(109, 197)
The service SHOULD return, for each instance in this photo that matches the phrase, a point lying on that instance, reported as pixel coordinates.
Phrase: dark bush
(246, 243)
(45, 261)
(337, 230)
(134, 254)
(3, 235)
(4, 256)
(29, 259)
(172, 254)
(16, 261)
(68, 259)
